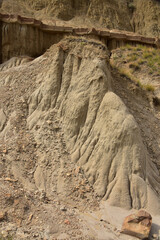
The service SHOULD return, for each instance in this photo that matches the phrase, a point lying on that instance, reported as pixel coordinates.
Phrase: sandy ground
(111, 218)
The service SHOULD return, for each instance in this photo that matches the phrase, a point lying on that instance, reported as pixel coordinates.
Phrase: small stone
(35, 235)
(16, 202)
(118, 234)
(4, 233)
(5, 151)
(49, 122)
(30, 217)
(155, 236)
(68, 174)
(63, 208)
(137, 225)
(10, 179)
(2, 216)
(66, 221)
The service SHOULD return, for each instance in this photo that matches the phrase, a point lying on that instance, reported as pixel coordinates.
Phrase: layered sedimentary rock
(19, 40)
(27, 36)
(116, 14)
(100, 11)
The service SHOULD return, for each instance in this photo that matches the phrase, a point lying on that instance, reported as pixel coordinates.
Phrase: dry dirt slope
(67, 104)
(100, 133)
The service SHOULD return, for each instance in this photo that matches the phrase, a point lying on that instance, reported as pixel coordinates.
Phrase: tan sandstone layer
(27, 36)
(131, 15)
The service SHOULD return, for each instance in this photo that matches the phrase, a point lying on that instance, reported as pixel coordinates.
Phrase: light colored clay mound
(101, 135)
(15, 62)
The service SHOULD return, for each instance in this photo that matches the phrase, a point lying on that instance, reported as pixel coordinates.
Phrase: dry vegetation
(140, 63)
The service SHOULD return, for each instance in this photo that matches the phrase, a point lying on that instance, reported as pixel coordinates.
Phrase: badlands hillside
(79, 123)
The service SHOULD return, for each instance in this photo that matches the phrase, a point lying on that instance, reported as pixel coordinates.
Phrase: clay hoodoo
(62, 109)
(100, 133)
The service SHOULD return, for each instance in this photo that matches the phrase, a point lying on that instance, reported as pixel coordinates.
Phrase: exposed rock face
(117, 14)
(138, 225)
(62, 9)
(28, 36)
(147, 22)
(100, 133)
(28, 40)
(111, 14)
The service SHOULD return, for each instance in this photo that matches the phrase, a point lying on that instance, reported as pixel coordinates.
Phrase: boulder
(137, 225)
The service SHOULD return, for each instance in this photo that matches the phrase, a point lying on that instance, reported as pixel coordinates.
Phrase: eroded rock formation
(19, 40)
(72, 82)
(146, 22)
(101, 135)
(116, 14)
(28, 36)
